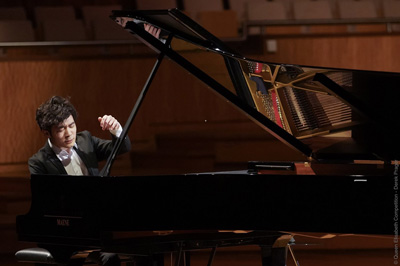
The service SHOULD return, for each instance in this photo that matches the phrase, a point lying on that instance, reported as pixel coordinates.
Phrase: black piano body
(231, 201)
(299, 105)
(84, 213)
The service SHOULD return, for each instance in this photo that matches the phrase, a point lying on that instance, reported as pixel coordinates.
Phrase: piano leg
(182, 257)
(186, 258)
(179, 255)
(273, 256)
(212, 255)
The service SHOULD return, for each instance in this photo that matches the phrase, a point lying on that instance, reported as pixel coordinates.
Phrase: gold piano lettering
(63, 222)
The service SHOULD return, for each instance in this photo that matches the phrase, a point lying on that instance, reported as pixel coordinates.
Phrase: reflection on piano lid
(293, 103)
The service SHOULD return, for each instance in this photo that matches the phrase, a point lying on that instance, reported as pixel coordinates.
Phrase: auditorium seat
(391, 8)
(363, 9)
(266, 11)
(54, 13)
(193, 7)
(312, 10)
(155, 4)
(100, 26)
(93, 12)
(16, 31)
(316, 10)
(240, 7)
(106, 29)
(223, 23)
(12, 13)
(64, 30)
(57, 23)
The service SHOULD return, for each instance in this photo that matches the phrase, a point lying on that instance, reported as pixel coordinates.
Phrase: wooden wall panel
(97, 87)
(369, 52)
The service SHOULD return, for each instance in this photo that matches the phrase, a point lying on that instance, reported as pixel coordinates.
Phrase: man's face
(63, 135)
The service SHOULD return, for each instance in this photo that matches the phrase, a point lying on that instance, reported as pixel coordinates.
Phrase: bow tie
(65, 155)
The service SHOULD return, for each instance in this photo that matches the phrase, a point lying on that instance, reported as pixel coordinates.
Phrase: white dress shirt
(70, 159)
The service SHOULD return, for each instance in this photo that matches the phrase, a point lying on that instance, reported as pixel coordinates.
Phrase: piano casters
(41, 256)
(35, 255)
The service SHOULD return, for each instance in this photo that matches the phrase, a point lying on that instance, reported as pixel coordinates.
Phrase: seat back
(155, 4)
(12, 13)
(64, 30)
(16, 31)
(312, 10)
(357, 9)
(266, 11)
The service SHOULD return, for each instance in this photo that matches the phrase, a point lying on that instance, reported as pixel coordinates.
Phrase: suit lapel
(84, 160)
(51, 156)
(82, 151)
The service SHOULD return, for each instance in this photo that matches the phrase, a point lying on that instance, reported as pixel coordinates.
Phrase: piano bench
(35, 255)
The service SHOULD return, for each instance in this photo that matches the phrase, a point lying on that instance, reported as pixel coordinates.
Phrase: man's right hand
(152, 30)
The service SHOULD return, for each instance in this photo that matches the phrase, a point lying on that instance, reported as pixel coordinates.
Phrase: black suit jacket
(90, 149)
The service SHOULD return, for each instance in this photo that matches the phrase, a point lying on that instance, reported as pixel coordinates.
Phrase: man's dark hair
(54, 111)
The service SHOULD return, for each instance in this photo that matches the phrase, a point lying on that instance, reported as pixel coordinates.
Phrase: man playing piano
(72, 153)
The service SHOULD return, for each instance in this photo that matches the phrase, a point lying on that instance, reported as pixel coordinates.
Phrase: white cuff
(117, 132)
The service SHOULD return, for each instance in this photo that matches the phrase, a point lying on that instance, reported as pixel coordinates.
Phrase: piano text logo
(63, 222)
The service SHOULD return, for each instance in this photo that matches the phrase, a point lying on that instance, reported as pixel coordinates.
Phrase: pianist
(72, 153)
(66, 151)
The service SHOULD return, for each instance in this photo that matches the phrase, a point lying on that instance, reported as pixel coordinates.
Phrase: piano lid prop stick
(107, 167)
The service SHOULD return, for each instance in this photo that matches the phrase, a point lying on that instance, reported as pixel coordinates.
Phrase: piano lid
(302, 106)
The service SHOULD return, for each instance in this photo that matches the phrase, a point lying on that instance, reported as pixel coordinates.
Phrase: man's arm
(36, 167)
(108, 122)
(42, 163)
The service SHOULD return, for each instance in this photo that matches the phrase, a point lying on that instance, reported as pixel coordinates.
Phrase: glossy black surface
(91, 205)
(310, 100)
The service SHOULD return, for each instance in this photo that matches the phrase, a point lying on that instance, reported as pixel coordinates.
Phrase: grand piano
(344, 122)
